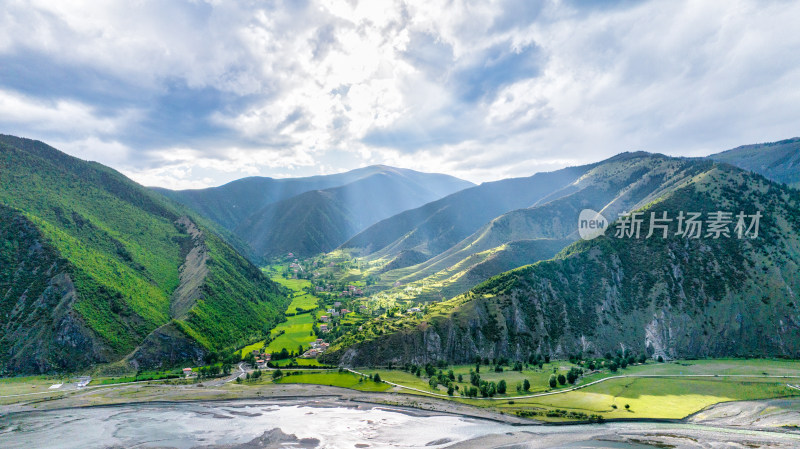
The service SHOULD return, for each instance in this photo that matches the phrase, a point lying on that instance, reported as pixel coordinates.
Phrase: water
(302, 425)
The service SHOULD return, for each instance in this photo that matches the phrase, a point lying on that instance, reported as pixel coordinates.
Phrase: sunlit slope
(779, 161)
(673, 296)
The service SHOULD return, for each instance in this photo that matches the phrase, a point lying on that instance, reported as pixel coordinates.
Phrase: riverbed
(333, 424)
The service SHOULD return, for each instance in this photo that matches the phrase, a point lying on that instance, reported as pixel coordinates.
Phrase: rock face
(39, 331)
(673, 296)
(166, 347)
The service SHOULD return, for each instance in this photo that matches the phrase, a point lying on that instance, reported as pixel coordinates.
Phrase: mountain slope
(673, 296)
(437, 226)
(320, 220)
(93, 263)
(231, 203)
(624, 182)
(779, 161)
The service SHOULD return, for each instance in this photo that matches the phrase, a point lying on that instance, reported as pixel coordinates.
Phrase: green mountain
(311, 215)
(318, 221)
(95, 269)
(437, 226)
(624, 182)
(673, 296)
(779, 161)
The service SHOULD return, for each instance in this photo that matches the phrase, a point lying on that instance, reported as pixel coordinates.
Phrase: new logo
(591, 224)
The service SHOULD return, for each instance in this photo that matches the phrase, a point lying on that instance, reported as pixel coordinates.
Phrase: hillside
(673, 296)
(318, 221)
(624, 182)
(311, 215)
(95, 269)
(437, 226)
(779, 161)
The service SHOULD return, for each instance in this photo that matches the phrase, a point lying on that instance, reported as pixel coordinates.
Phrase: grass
(297, 328)
(673, 398)
(335, 379)
(301, 362)
(28, 384)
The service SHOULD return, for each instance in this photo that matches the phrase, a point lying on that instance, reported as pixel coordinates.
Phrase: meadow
(297, 330)
(335, 379)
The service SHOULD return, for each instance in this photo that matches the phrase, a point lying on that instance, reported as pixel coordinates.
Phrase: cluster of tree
(572, 376)
(428, 369)
(486, 389)
(212, 358)
(216, 370)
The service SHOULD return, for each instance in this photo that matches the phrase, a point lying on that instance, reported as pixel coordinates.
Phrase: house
(267, 357)
(261, 364)
(324, 318)
(331, 310)
(337, 304)
(335, 313)
(415, 310)
(323, 328)
(187, 372)
(345, 311)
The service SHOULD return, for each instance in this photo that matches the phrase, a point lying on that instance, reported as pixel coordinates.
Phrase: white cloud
(484, 90)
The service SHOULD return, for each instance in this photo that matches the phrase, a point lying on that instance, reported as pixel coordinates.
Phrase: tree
(377, 378)
(277, 374)
(501, 387)
(553, 381)
(451, 375)
(561, 379)
(526, 385)
(460, 378)
(613, 367)
(450, 390)
(433, 383)
(660, 359)
(627, 406)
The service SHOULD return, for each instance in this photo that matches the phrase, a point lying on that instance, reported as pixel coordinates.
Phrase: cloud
(198, 93)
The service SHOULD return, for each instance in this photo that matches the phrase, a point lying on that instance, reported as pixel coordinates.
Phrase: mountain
(320, 220)
(779, 161)
(96, 269)
(624, 182)
(437, 226)
(308, 216)
(672, 296)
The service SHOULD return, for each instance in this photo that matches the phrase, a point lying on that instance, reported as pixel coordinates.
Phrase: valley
(508, 312)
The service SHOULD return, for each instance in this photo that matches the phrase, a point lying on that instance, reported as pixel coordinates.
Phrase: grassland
(335, 379)
(28, 384)
(297, 330)
(300, 362)
(671, 398)
(646, 397)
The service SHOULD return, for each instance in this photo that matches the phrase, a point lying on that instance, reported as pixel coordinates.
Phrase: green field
(537, 378)
(654, 397)
(297, 327)
(345, 380)
(29, 384)
(299, 361)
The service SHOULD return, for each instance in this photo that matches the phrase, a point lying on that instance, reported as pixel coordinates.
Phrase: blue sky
(198, 93)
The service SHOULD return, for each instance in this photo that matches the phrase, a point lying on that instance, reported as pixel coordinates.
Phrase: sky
(192, 94)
